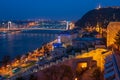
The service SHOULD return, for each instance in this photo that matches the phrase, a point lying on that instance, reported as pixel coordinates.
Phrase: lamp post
(76, 78)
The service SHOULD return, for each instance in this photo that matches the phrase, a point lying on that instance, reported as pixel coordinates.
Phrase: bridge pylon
(9, 25)
(67, 25)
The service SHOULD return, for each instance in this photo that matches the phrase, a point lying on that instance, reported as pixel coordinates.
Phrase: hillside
(101, 15)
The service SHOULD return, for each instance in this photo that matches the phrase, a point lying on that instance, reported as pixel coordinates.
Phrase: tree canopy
(58, 73)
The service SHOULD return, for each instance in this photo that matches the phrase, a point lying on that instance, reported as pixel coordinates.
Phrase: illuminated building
(99, 6)
(71, 25)
(57, 45)
(97, 28)
(84, 43)
(68, 36)
(112, 30)
(31, 24)
(112, 67)
(59, 39)
(58, 48)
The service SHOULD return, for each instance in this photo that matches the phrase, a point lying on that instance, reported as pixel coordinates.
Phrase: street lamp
(76, 78)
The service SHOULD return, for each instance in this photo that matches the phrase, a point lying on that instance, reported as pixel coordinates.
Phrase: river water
(19, 43)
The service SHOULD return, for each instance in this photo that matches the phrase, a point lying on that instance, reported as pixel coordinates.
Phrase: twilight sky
(50, 9)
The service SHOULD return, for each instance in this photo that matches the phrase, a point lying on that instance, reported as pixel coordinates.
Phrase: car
(15, 70)
(41, 58)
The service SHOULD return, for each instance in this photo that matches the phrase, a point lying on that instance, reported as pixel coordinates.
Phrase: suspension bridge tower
(67, 25)
(9, 25)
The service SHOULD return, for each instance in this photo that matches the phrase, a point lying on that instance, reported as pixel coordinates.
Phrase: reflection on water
(21, 43)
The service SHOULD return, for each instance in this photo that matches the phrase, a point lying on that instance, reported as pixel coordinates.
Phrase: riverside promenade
(25, 62)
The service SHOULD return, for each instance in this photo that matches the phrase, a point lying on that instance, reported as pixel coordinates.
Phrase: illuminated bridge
(46, 26)
(26, 29)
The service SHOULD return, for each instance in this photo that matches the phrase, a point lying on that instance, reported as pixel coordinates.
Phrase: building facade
(68, 36)
(112, 30)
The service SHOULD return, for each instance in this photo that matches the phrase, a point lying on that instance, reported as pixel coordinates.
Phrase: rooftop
(87, 39)
(114, 24)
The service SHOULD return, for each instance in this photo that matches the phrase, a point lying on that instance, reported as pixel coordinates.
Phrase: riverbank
(25, 61)
(17, 44)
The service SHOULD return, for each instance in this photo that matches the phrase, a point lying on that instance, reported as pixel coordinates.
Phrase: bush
(96, 74)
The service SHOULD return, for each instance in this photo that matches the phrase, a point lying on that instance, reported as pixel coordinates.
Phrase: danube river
(19, 43)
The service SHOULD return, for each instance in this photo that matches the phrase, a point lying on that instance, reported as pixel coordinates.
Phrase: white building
(68, 36)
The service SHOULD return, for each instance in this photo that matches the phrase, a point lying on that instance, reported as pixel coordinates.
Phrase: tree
(39, 48)
(6, 60)
(27, 54)
(58, 73)
(96, 74)
(46, 50)
(117, 39)
(20, 78)
(18, 57)
(33, 77)
(51, 73)
(69, 48)
(79, 71)
(66, 71)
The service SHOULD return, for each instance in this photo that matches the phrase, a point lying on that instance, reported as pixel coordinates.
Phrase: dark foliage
(103, 15)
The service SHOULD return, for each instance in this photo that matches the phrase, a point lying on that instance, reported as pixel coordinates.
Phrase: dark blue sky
(52, 9)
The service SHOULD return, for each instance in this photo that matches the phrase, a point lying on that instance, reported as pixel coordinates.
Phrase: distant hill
(101, 15)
